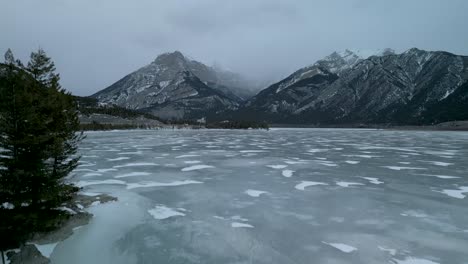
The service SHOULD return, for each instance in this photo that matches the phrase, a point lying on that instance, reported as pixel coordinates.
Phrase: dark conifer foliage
(38, 148)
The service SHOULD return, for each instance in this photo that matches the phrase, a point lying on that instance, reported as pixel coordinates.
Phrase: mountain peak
(170, 58)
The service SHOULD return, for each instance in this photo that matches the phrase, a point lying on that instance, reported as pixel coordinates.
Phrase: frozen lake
(280, 196)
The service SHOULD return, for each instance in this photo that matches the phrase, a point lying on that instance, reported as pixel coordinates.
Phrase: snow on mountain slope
(385, 87)
(170, 78)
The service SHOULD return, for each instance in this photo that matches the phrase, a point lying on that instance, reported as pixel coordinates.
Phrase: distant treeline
(238, 125)
(88, 106)
(100, 126)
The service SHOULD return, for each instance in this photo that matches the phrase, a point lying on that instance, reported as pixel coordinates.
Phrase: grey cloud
(96, 42)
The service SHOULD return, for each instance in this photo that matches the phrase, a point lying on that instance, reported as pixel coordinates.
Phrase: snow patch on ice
(118, 159)
(292, 162)
(287, 173)
(161, 212)
(413, 213)
(277, 167)
(456, 193)
(301, 186)
(439, 163)
(241, 225)
(373, 180)
(390, 251)
(397, 168)
(254, 193)
(441, 176)
(192, 161)
(347, 184)
(342, 247)
(326, 163)
(317, 150)
(197, 167)
(252, 151)
(411, 260)
(106, 170)
(363, 156)
(187, 156)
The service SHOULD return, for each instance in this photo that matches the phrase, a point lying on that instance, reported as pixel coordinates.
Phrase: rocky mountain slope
(174, 86)
(415, 87)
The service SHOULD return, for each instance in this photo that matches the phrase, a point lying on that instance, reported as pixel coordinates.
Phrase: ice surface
(106, 170)
(411, 260)
(46, 249)
(413, 213)
(88, 183)
(239, 218)
(131, 153)
(132, 174)
(342, 247)
(392, 216)
(301, 186)
(136, 164)
(390, 251)
(92, 174)
(254, 193)
(160, 184)
(162, 212)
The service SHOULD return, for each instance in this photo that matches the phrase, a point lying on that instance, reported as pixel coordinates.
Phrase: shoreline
(387, 128)
(446, 126)
(41, 246)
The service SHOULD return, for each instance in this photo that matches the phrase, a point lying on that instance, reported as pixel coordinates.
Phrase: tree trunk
(3, 257)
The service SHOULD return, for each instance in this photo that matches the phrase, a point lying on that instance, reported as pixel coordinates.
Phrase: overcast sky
(96, 42)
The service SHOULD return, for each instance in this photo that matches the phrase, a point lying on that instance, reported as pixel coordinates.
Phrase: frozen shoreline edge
(30, 253)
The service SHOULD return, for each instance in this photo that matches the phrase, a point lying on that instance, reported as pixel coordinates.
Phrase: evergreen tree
(41, 67)
(38, 146)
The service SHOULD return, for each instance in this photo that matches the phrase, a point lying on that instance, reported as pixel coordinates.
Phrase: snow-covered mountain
(350, 87)
(414, 87)
(176, 83)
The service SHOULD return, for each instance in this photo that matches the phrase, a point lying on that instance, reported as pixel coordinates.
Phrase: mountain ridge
(379, 86)
(408, 83)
